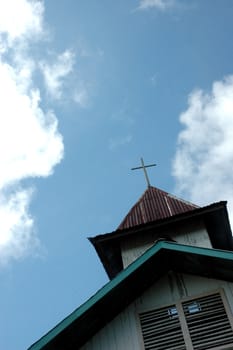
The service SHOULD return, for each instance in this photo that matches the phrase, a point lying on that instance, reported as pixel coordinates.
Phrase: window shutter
(205, 323)
(208, 325)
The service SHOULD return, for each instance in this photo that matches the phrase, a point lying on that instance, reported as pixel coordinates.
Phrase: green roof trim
(97, 296)
(217, 253)
(119, 280)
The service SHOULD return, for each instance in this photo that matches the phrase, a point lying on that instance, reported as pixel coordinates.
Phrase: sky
(87, 88)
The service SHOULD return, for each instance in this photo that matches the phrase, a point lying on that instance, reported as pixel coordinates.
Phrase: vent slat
(162, 330)
(209, 325)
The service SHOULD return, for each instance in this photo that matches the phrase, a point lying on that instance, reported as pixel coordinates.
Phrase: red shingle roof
(153, 205)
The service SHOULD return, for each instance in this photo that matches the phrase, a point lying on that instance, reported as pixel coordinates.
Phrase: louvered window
(195, 324)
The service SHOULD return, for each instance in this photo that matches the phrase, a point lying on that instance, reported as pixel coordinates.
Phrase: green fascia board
(114, 283)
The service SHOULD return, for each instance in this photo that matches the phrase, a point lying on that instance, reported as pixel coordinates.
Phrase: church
(170, 265)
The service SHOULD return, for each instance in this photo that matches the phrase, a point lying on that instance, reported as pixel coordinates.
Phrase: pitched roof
(95, 313)
(153, 205)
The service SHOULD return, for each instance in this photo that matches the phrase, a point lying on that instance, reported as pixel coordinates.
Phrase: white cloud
(157, 4)
(17, 237)
(55, 73)
(30, 144)
(204, 156)
(20, 19)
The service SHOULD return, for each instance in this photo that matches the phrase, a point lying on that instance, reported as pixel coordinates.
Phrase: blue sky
(87, 88)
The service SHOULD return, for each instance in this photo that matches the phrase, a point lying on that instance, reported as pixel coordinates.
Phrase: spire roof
(155, 204)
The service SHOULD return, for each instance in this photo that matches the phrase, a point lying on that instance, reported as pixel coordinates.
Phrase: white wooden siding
(194, 233)
(121, 333)
(124, 331)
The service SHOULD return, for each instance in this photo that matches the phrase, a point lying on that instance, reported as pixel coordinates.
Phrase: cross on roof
(144, 169)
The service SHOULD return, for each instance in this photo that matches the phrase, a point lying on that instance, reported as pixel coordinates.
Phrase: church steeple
(159, 215)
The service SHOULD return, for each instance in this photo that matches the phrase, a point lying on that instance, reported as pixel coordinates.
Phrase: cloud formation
(203, 161)
(17, 237)
(55, 72)
(157, 4)
(30, 143)
(20, 19)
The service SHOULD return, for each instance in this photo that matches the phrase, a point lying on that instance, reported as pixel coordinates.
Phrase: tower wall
(193, 233)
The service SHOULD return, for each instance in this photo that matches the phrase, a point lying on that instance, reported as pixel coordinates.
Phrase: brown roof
(153, 205)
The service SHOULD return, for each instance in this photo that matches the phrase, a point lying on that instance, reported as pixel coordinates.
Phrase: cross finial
(144, 169)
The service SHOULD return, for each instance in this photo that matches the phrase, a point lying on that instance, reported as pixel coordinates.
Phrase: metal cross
(144, 169)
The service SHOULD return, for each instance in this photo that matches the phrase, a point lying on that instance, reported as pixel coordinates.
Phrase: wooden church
(170, 265)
